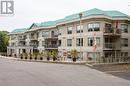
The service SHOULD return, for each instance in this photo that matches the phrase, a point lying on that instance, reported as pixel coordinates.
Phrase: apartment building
(110, 30)
(36, 38)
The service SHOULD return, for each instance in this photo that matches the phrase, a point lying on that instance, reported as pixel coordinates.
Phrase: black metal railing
(51, 46)
(112, 59)
(112, 31)
(33, 37)
(112, 46)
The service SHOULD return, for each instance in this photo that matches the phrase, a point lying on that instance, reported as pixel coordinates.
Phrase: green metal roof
(35, 24)
(19, 30)
(91, 12)
(85, 13)
(96, 12)
(44, 24)
(116, 14)
(48, 23)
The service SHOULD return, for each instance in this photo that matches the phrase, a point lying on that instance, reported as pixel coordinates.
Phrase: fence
(123, 59)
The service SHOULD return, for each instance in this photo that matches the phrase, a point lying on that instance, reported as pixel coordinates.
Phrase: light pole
(80, 16)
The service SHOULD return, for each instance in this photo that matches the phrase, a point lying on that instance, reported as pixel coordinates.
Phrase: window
(43, 43)
(68, 55)
(60, 31)
(55, 34)
(93, 55)
(12, 44)
(98, 41)
(124, 42)
(93, 27)
(78, 29)
(69, 42)
(13, 37)
(69, 30)
(79, 42)
(59, 43)
(25, 36)
(124, 28)
(90, 41)
(80, 56)
(45, 34)
(108, 26)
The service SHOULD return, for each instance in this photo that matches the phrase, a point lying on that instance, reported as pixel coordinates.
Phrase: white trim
(84, 18)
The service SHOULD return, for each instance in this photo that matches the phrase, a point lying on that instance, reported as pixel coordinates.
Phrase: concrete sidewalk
(12, 58)
(45, 61)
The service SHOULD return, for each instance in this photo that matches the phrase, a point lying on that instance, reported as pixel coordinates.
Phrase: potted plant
(21, 56)
(48, 55)
(15, 55)
(53, 53)
(74, 54)
(41, 54)
(41, 58)
(48, 58)
(25, 55)
(30, 56)
(35, 56)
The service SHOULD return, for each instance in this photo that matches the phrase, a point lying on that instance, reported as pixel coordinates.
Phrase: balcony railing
(21, 39)
(20, 46)
(12, 46)
(33, 38)
(51, 46)
(54, 36)
(112, 31)
(112, 46)
(34, 46)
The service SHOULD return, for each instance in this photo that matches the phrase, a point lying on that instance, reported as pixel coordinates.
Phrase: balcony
(31, 45)
(19, 46)
(11, 47)
(54, 36)
(52, 46)
(34, 46)
(112, 31)
(33, 38)
(112, 46)
(21, 39)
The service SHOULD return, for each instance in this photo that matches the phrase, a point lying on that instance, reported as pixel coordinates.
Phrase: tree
(4, 38)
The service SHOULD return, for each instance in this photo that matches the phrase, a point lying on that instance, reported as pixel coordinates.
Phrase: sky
(27, 12)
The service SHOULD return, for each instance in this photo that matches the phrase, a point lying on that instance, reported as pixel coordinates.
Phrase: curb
(65, 62)
(54, 62)
(44, 61)
(116, 63)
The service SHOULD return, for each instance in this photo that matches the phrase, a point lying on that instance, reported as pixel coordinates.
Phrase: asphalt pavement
(23, 73)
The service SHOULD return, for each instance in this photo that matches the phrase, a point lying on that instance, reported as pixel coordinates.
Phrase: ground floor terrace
(98, 56)
(66, 55)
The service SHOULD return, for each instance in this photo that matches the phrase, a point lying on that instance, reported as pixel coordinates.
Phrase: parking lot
(22, 73)
(118, 70)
